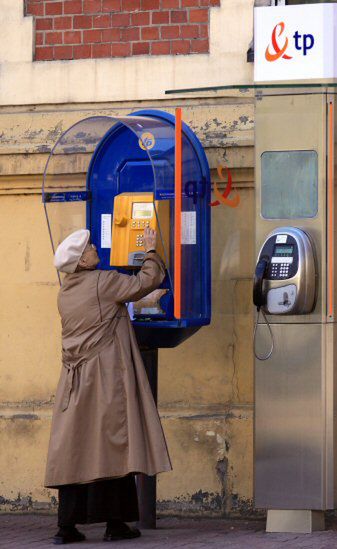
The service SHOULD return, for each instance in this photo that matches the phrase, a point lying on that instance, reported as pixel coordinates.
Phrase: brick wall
(79, 29)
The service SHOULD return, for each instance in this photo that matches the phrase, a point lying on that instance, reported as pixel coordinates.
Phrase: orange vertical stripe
(330, 212)
(177, 215)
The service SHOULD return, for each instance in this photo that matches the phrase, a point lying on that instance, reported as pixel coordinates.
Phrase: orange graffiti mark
(279, 52)
(222, 198)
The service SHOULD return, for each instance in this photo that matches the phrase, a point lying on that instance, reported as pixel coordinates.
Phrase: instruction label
(188, 227)
(106, 231)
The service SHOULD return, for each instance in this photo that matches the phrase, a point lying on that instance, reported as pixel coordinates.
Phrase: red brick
(140, 48)
(63, 23)
(150, 4)
(161, 48)
(189, 31)
(101, 21)
(43, 54)
(170, 31)
(39, 38)
(141, 18)
(111, 5)
(178, 16)
(72, 7)
(101, 50)
(82, 22)
(120, 50)
(72, 37)
(180, 47)
(170, 4)
(198, 16)
(120, 19)
(34, 8)
(160, 17)
(92, 6)
(43, 24)
(190, 3)
(53, 38)
(199, 46)
(90, 36)
(130, 5)
(150, 33)
(111, 35)
(210, 3)
(130, 34)
(82, 52)
(54, 8)
(203, 31)
(63, 52)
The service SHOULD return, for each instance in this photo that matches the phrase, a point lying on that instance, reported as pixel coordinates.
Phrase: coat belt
(72, 362)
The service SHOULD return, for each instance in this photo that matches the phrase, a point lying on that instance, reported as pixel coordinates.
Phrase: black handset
(259, 298)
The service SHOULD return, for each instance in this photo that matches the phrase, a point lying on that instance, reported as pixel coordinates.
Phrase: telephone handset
(259, 298)
(285, 275)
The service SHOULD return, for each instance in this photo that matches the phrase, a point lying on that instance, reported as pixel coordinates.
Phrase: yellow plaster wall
(205, 385)
(25, 82)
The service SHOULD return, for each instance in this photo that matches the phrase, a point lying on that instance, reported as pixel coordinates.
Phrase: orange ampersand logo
(279, 52)
(223, 198)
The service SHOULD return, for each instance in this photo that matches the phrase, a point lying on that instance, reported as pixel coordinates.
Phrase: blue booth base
(154, 338)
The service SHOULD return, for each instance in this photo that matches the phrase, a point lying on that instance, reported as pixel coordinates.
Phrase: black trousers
(101, 501)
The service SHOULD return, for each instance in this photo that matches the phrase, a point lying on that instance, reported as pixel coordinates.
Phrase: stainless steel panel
(330, 399)
(290, 418)
(295, 122)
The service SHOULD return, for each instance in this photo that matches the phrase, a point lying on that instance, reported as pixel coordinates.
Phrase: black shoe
(121, 531)
(68, 535)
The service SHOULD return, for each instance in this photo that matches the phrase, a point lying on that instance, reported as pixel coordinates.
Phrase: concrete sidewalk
(21, 531)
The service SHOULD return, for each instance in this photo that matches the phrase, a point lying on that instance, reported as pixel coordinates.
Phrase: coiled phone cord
(268, 355)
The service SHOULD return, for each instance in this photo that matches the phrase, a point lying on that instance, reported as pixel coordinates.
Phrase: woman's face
(89, 259)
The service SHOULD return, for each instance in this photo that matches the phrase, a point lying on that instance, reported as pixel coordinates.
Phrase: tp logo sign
(302, 43)
(296, 42)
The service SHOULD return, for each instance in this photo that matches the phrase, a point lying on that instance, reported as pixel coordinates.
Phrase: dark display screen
(283, 251)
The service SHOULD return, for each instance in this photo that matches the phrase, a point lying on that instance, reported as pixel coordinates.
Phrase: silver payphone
(285, 275)
(295, 291)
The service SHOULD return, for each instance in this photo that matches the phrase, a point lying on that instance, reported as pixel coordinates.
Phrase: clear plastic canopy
(65, 175)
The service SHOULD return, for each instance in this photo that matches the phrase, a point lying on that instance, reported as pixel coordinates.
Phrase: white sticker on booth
(106, 231)
(188, 227)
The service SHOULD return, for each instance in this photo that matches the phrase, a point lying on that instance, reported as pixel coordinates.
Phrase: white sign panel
(295, 42)
(106, 231)
(188, 227)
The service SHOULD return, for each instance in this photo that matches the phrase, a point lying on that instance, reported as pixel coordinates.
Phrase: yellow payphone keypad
(133, 212)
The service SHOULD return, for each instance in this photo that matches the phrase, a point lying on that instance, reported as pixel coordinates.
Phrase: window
(289, 186)
(293, 2)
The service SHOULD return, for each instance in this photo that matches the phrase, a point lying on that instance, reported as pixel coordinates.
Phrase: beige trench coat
(105, 422)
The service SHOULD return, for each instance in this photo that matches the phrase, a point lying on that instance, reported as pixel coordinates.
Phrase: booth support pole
(146, 486)
(177, 213)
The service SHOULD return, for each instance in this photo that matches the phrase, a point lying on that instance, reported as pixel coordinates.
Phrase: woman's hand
(150, 239)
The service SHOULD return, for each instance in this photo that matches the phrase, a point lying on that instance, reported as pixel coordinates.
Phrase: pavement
(27, 531)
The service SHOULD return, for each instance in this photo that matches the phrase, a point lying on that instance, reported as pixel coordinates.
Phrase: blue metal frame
(158, 332)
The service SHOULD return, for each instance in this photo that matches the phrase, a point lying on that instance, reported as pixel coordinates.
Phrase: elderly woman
(105, 425)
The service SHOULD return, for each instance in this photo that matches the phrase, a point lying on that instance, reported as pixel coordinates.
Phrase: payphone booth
(295, 278)
(117, 175)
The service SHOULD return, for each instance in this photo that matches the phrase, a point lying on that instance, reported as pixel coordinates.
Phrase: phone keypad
(140, 224)
(279, 270)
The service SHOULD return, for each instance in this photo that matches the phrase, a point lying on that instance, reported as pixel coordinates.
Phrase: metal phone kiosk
(295, 295)
(117, 175)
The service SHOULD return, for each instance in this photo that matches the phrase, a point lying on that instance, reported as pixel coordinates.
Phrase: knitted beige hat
(69, 252)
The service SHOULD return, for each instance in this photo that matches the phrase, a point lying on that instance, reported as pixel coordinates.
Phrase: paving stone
(28, 531)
